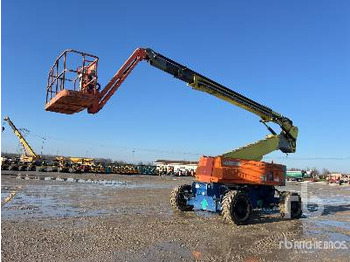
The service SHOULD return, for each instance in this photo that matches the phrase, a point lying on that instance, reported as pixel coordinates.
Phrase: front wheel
(236, 207)
(179, 197)
(290, 205)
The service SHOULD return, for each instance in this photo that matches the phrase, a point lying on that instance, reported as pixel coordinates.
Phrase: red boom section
(81, 91)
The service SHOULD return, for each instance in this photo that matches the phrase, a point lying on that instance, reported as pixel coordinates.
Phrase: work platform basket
(72, 82)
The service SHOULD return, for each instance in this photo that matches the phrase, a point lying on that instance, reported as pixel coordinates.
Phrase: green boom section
(285, 141)
(255, 151)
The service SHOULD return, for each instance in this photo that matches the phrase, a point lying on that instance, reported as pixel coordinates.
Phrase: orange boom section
(239, 171)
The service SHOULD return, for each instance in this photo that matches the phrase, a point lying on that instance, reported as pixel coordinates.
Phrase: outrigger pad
(69, 102)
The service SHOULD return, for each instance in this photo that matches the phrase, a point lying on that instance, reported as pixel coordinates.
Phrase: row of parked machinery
(31, 161)
(73, 165)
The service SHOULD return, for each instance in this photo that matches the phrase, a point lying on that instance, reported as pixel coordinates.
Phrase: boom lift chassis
(234, 183)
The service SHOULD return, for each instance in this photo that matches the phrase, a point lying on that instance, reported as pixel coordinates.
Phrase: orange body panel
(69, 102)
(239, 171)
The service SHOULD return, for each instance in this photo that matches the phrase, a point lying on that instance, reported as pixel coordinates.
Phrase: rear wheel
(179, 197)
(290, 205)
(236, 207)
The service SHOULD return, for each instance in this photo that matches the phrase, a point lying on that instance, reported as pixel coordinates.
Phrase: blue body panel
(207, 196)
(262, 196)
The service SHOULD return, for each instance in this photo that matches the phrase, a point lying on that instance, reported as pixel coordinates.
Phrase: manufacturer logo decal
(230, 163)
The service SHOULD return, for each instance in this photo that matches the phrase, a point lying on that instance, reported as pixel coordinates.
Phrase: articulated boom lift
(233, 183)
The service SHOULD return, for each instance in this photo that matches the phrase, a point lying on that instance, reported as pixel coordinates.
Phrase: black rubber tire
(178, 198)
(236, 207)
(292, 211)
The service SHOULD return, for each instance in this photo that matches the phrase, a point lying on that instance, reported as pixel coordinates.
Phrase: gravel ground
(128, 218)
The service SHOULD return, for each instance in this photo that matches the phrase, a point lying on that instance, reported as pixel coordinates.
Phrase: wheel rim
(294, 207)
(179, 197)
(183, 196)
(241, 208)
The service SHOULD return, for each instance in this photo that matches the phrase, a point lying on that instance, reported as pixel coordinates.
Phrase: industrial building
(180, 167)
